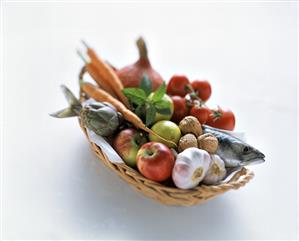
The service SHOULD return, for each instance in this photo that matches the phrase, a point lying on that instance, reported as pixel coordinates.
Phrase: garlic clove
(216, 171)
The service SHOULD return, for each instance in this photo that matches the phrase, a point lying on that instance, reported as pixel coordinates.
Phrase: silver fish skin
(233, 151)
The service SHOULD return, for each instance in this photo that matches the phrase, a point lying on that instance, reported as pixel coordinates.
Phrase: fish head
(238, 153)
(234, 151)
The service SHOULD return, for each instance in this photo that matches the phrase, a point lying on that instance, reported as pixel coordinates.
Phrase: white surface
(55, 188)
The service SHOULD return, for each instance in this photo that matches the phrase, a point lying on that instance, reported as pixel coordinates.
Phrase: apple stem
(149, 152)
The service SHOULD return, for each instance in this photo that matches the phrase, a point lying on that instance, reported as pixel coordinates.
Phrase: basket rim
(238, 179)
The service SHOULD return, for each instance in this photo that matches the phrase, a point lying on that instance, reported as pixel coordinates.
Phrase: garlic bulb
(216, 171)
(190, 167)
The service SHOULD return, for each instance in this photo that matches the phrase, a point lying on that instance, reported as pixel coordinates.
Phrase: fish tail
(74, 105)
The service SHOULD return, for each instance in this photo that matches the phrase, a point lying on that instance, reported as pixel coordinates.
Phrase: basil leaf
(146, 84)
(162, 104)
(159, 93)
(135, 95)
(150, 114)
(165, 111)
(140, 110)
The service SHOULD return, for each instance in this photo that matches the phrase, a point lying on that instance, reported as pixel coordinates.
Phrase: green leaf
(146, 84)
(150, 114)
(163, 107)
(140, 110)
(162, 104)
(159, 93)
(135, 95)
(165, 111)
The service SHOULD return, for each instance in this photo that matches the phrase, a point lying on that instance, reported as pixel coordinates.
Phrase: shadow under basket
(170, 195)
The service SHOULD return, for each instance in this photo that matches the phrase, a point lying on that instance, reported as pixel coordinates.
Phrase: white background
(55, 188)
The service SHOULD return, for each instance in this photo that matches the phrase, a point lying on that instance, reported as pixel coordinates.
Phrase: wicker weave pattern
(170, 195)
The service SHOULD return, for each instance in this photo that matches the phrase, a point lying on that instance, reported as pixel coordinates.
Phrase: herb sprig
(145, 103)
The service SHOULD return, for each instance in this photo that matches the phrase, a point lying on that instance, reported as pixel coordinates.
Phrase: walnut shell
(187, 141)
(190, 124)
(208, 142)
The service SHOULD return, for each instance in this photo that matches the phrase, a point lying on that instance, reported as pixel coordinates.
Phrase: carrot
(108, 75)
(100, 95)
(92, 70)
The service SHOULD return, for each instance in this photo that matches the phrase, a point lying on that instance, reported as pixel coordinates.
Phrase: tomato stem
(189, 88)
(216, 115)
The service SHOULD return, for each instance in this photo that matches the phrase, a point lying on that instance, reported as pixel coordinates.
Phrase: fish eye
(246, 149)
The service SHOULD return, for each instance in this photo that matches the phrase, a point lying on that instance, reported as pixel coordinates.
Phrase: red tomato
(202, 88)
(178, 85)
(222, 119)
(180, 108)
(201, 113)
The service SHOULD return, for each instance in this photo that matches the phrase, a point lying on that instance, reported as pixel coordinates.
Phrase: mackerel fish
(233, 151)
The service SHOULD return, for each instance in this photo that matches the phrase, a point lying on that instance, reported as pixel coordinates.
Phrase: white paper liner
(105, 147)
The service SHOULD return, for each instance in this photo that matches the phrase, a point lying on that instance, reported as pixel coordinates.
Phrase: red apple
(127, 144)
(155, 161)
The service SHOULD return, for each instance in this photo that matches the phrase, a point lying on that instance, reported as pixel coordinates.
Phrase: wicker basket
(170, 195)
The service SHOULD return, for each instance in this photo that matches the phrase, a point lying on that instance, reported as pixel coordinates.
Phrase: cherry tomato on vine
(202, 88)
(201, 113)
(222, 119)
(180, 108)
(178, 85)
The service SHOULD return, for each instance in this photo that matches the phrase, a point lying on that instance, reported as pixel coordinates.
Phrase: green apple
(166, 100)
(168, 130)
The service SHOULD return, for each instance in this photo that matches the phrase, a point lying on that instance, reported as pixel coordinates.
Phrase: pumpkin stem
(141, 48)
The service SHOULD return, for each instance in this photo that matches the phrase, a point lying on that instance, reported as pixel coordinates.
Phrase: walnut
(208, 142)
(190, 124)
(187, 141)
